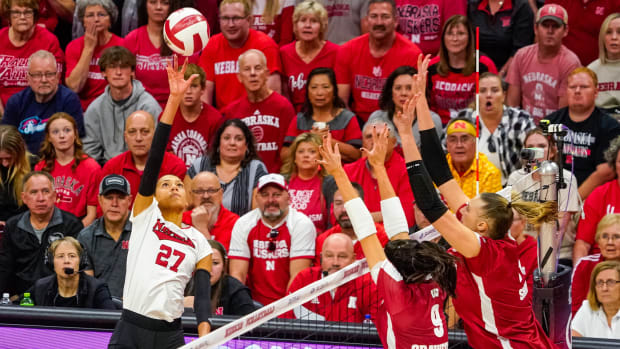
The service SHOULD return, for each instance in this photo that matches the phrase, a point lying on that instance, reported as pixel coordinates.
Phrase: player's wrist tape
(426, 196)
(394, 219)
(360, 217)
(155, 159)
(432, 155)
(202, 296)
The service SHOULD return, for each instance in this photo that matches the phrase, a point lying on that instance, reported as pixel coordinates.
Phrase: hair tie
(509, 205)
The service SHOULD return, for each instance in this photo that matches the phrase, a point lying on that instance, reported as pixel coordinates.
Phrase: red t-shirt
(151, 66)
(296, 71)
(95, 83)
(508, 318)
(421, 21)
(451, 93)
(222, 228)
(367, 76)
(14, 60)
(580, 281)
(344, 128)
(357, 247)
(410, 315)
(528, 257)
(75, 189)
(219, 62)
(123, 164)
(306, 197)
(603, 200)
(350, 302)
(358, 172)
(268, 120)
(281, 29)
(190, 140)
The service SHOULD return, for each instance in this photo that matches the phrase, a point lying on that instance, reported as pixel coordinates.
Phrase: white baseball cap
(272, 178)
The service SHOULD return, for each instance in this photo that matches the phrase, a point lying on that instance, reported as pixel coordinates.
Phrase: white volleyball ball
(186, 31)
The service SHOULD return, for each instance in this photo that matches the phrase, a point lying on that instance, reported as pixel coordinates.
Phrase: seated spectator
(527, 184)
(228, 295)
(599, 315)
(305, 179)
(376, 54)
(152, 53)
(75, 173)
(208, 215)
(48, 16)
(346, 19)
(18, 41)
(397, 90)
(28, 235)
(451, 78)
(607, 66)
(349, 302)
(274, 18)
(266, 112)
(502, 128)
(503, 29)
(345, 227)
(324, 112)
(138, 135)
(196, 121)
(466, 170)
(84, 75)
(106, 240)
(69, 286)
(232, 157)
(104, 119)
(310, 51)
(272, 243)
(589, 132)
(220, 58)
(29, 109)
(608, 238)
(15, 163)
(538, 73)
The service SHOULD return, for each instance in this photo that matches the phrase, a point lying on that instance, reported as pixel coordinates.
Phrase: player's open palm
(330, 155)
(376, 155)
(176, 78)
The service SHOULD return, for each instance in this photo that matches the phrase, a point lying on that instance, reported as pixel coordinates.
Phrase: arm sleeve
(436, 165)
(202, 299)
(156, 157)
(426, 196)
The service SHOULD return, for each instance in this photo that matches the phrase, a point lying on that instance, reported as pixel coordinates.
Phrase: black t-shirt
(586, 141)
(61, 301)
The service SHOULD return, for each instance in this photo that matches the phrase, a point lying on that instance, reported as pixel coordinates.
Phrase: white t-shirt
(160, 263)
(590, 323)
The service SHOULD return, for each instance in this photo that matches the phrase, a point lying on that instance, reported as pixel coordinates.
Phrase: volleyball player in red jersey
(413, 279)
(491, 295)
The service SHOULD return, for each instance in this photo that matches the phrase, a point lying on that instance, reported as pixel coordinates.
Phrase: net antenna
(477, 110)
(273, 310)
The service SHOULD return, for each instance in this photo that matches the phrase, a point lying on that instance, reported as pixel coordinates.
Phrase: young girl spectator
(14, 165)
(607, 66)
(75, 173)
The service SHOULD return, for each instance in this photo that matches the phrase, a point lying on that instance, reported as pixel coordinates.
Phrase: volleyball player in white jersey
(162, 255)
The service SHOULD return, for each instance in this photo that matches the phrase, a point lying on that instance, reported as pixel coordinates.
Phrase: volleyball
(186, 31)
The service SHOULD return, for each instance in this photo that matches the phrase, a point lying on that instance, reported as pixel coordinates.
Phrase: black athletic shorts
(137, 331)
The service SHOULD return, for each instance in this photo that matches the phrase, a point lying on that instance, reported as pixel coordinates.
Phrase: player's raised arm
(178, 86)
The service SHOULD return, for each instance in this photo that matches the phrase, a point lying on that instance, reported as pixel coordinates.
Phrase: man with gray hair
(29, 109)
(264, 111)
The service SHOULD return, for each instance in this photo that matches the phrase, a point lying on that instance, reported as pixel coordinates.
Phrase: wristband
(394, 219)
(360, 217)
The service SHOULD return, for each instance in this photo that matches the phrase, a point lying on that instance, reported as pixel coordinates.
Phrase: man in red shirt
(208, 216)
(376, 55)
(349, 302)
(219, 58)
(139, 131)
(266, 113)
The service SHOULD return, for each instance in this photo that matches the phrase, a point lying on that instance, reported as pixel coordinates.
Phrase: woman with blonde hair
(15, 163)
(75, 173)
(306, 178)
(607, 66)
(273, 17)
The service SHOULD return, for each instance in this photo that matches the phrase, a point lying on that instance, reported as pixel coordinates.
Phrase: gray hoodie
(104, 121)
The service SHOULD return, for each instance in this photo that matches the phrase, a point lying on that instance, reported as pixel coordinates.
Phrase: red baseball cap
(553, 12)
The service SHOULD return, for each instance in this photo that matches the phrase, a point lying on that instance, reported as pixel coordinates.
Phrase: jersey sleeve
(303, 236)
(142, 222)
(490, 252)
(239, 248)
(203, 249)
(391, 287)
(586, 229)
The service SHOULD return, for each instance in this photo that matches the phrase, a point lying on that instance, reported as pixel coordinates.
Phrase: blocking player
(163, 255)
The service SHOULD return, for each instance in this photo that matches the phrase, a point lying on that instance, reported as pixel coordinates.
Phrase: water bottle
(5, 299)
(367, 319)
(26, 301)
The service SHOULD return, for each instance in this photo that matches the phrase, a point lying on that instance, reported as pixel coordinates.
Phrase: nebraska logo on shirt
(260, 249)
(189, 145)
(600, 10)
(163, 233)
(125, 244)
(338, 10)
(66, 185)
(258, 119)
(297, 83)
(226, 67)
(505, 21)
(376, 71)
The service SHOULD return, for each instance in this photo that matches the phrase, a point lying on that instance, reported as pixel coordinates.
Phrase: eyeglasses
(210, 191)
(98, 14)
(38, 76)
(466, 139)
(609, 283)
(273, 234)
(612, 237)
(234, 20)
(26, 14)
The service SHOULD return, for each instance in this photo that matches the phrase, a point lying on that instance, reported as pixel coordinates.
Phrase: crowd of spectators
(79, 112)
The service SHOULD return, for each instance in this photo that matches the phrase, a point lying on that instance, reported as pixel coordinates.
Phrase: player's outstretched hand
(419, 79)
(404, 120)
(330, 155)
(376, 156)
(176, 78)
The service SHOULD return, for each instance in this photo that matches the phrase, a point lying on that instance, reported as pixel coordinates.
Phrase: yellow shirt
(490, 177)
